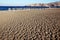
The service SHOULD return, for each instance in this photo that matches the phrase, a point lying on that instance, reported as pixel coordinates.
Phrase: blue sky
(23, 2)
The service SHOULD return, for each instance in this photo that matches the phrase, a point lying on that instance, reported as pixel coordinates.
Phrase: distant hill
(48, 4)
(54, 4)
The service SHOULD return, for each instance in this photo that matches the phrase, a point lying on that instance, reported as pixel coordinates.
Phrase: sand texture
(30, 24)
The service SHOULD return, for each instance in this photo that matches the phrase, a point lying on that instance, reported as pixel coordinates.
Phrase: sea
(24, 7)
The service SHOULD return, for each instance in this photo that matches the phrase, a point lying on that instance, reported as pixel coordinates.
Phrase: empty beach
(38, 24)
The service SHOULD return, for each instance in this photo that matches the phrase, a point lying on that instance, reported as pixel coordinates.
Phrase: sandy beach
(30, 24)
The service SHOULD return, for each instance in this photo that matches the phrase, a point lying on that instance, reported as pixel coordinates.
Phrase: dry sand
(30, 25)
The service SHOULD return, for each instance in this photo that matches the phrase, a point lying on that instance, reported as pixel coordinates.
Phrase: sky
(23, 2)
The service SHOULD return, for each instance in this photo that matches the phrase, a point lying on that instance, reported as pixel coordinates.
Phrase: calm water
(16, 7)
